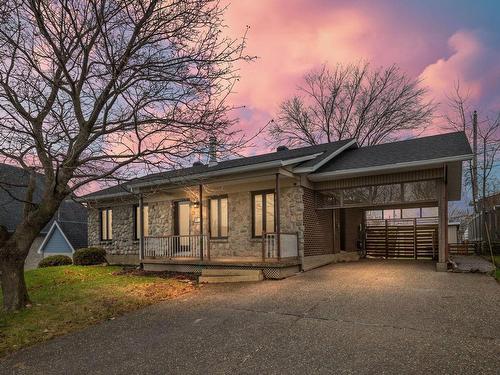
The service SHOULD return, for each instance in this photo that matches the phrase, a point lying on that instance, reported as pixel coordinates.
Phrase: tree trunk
(15, 294)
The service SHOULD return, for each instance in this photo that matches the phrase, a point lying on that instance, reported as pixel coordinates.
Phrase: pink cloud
(471, 62)
(292, 37)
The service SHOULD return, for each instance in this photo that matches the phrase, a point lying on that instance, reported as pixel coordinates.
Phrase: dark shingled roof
(13, 182)
(75, 232)
(418, 149)
(411, 150)
(325, 149)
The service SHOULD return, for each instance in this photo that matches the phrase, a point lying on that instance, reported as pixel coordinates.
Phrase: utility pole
(474, 163)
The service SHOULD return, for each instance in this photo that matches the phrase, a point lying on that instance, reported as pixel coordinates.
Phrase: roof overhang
(388, 168)
(104, 196)
(224, 172)
(323, 161)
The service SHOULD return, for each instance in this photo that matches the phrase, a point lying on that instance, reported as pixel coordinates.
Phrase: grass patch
(497, 262)
(69, 298)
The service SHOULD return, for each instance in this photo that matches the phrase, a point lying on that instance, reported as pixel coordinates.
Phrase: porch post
(277, 215)
(442, 264)
(141, 227)
(201, 220)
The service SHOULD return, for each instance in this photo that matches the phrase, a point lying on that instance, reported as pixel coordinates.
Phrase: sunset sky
(439, 41)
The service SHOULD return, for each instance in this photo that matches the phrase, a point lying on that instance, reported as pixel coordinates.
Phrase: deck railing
(288, 244)
(189, 246)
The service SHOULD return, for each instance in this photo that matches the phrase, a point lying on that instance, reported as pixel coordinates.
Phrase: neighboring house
(483, 228)
(283, 211)
(66, 232)
(454, 232)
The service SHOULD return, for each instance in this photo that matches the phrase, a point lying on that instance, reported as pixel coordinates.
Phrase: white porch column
(442, 264)
(277, 213)
(200, 197)
(141, 228)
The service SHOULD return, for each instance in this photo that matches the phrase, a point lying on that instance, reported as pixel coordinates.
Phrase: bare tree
(480, 172)
(90, 90)
(352, 101)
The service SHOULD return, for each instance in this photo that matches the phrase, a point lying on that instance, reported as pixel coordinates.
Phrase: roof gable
(56, 241)
(409, 152)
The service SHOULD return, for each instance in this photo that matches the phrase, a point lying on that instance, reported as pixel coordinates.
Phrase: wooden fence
(404, 239)
(466, 248)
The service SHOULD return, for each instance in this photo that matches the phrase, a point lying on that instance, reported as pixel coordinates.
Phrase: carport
(377, 199)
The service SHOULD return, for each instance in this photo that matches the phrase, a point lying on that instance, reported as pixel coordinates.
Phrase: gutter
(103, 196)
(388, 167)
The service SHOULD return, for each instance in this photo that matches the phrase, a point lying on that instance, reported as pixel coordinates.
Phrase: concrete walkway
(391, 317)
(471, 263)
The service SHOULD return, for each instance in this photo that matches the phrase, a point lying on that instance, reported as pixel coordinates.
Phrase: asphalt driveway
(366, 317)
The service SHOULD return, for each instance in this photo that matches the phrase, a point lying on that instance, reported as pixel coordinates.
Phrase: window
(392, 213)
(137, 215)
(430, 212)
(410, 213)
(374, 214)
(263, 213)
(218, 217)
(106, 219)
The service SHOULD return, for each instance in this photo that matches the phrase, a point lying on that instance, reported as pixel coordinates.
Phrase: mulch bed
(181, 276)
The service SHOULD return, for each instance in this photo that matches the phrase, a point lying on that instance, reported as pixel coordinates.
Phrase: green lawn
(69, 298)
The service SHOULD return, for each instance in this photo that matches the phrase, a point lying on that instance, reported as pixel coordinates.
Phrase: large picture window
(218, 217)
(263, 213)
(106, 221)
(137, 215)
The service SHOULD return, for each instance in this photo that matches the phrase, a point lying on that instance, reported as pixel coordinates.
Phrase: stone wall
(123, 242)
(238, 244)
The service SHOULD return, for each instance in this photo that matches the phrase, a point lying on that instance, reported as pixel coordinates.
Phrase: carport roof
(412, 152)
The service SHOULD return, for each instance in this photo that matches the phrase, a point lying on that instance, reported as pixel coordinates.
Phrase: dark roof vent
(197, 164)
(281, 148)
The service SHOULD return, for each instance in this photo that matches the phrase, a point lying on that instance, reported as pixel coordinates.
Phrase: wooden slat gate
(405, 238)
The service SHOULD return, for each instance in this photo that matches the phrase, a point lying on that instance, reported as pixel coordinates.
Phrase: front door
(182, 224)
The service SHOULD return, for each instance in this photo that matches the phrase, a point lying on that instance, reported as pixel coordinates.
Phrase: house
(66, 232)
(483, 228)
(287, 210)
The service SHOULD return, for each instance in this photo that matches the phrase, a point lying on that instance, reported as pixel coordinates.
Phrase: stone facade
(239, 242)
(123, 242)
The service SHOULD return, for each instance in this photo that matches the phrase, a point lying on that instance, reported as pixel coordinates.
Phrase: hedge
(55, 260)
(89, 256)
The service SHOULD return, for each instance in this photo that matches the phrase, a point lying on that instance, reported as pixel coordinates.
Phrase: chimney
(281, 148)
(212, 151)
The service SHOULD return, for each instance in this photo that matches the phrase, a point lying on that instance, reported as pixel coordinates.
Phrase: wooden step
(230, 272)
(230, 279)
